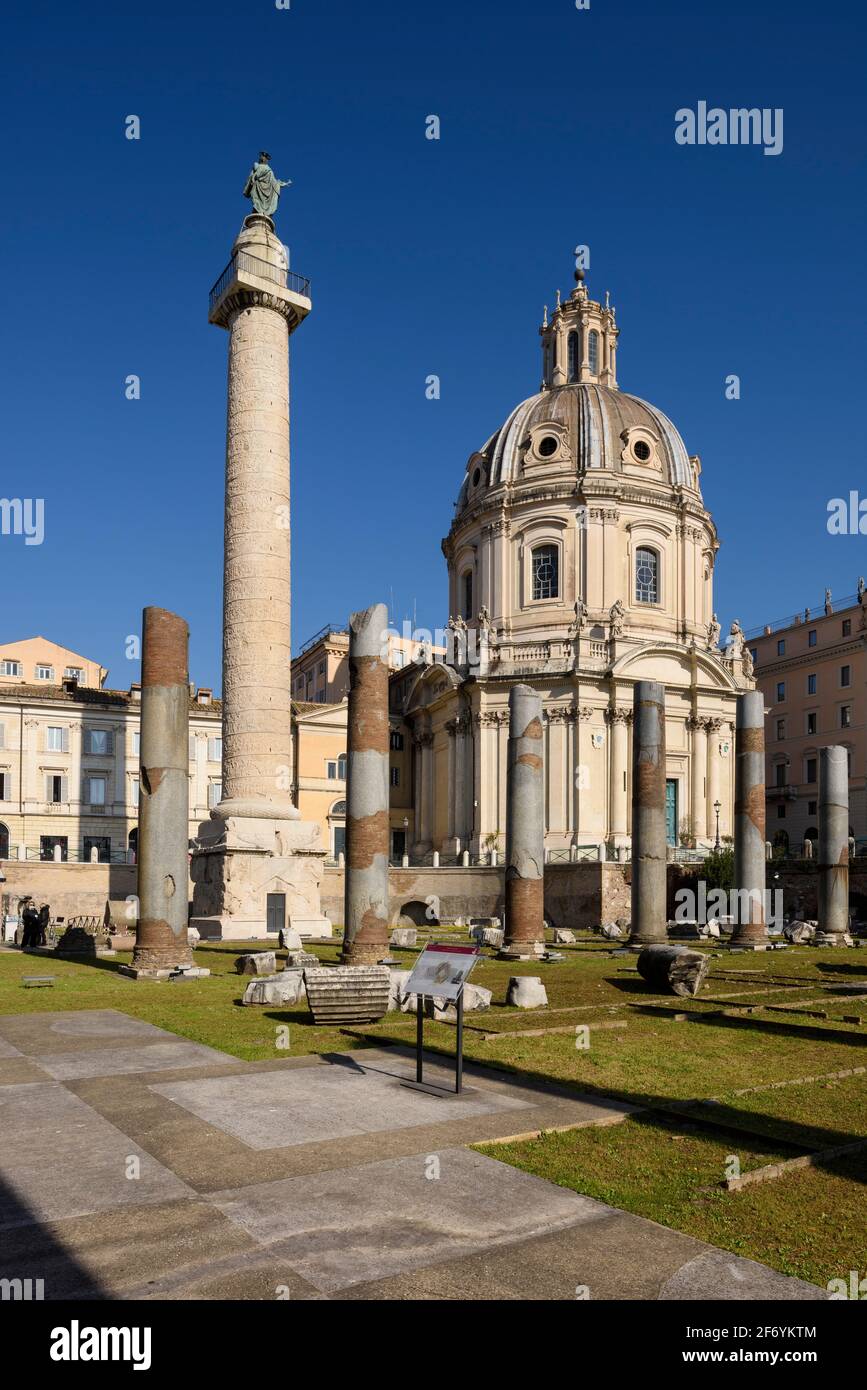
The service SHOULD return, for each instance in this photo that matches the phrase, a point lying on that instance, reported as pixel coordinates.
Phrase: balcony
(252, 273)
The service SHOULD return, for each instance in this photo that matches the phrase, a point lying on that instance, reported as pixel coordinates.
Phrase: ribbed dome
(595, 422)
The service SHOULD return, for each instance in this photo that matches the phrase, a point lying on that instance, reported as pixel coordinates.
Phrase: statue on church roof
(263, 187)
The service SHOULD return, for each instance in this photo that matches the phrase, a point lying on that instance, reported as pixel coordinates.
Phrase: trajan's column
(257, 866)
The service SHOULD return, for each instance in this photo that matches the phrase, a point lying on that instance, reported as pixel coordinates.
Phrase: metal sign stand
(430, 1087)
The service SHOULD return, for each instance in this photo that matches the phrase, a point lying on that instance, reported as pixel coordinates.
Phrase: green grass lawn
(664, 1165)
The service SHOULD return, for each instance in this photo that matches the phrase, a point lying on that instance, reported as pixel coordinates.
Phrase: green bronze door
(671, 810)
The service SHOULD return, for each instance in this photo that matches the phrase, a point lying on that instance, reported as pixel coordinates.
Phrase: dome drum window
(646, 575)
(545, 569)
(548, 444)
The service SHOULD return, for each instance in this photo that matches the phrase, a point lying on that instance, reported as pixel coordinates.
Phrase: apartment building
(320, 671)
(811, 668)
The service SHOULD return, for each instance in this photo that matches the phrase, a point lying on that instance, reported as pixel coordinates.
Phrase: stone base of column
(240, 860)
(364, 953)
(161, 951)
(523, 950)
(837, 938)
(746, 945)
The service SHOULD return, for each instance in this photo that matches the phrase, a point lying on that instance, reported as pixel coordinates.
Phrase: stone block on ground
(290, 939)
(397, 995)
(299, 960)
(348, 993)
(526, 992)
(444, 1011)
(799, 932)
(285, 988)
(563, 937)
(611, 931)
(403, 937)
(676, 969)
(257, 963)
(193, 936)
(487, 936)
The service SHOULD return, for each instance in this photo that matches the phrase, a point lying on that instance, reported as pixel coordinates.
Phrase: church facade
(580, 559)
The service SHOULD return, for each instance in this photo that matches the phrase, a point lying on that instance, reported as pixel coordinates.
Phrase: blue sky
(557, 128)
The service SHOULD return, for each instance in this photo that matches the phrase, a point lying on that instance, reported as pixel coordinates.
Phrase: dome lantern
(580, 342)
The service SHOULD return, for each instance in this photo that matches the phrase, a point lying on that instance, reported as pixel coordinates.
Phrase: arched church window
(574, 357)
(593, 351)
(546, 572)
(467, 610)
(4, 842)
(646, 576)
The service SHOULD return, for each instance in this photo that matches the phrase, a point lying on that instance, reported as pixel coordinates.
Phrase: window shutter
(64, 789)
(2, 736)
(64, 739)
(4, 794)
(192, 748)
(47, 788)
(110, 741)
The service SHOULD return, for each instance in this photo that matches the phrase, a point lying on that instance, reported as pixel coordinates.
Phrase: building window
(54, 739)
(781, 728)
(810, 765)
(215, 793)
(754, 653)
(781, 647)
(96, 791)
(215, 750)
(811, 722)
(546, 572)
(781, 811)
(56, 789)
(812, 684)
(468, 594)
(845, 675)
(781, 691)
(44, 673)
(811, 638)
(848, 762)
(646, 576)
(98, 741)
(4, 842)
(74, 673)
(394, 776)
(811, 808)
(5, 788)
(780, 773)
(10, 668)
(134, 791)
(845, 716)
(847, 627)
(102, 845)
(593, 351)
(574, 357)
(395, 741)
(335, 770)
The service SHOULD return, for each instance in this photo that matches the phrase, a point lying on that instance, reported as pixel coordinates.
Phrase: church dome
(586, 426)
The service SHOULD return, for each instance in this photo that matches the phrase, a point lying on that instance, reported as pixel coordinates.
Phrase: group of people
(35, 922)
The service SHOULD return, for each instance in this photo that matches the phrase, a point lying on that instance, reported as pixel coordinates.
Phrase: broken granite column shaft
(365, 939)
(833, 858)
(749, 871)
(164, 792)
(649, 840)
(525, 828)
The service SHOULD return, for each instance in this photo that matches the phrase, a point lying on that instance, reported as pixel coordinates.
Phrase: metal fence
(263, 270)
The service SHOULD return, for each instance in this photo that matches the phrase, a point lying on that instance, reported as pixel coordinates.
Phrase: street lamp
(717, 806)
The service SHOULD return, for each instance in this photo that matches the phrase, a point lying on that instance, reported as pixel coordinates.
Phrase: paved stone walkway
(135, 1164)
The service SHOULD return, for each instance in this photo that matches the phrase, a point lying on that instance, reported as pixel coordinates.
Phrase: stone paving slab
(7, 1050)
(59, 1158)
(364, 1223)
(82, 1030)
(618, 1257)
(119, 1061)
(276, 1109)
